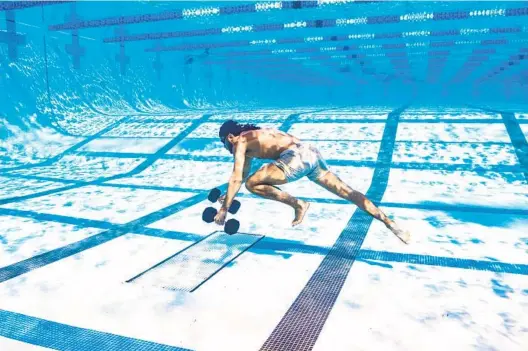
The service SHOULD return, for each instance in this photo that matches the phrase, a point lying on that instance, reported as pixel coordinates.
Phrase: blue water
(49, 72)
(62, 64)
(109, 114)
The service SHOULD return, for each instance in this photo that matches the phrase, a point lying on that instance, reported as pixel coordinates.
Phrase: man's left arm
(237, 177)
(247, 168)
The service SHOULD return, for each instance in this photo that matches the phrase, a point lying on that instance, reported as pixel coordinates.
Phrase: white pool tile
(115, 205)
(84, 168)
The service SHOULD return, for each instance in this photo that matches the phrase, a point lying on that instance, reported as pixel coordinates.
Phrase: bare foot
(300, 212)
(403, 235)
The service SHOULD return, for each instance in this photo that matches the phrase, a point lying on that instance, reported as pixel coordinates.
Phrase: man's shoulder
(249, 134)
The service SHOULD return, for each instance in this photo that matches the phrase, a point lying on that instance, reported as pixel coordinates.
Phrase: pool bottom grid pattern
(302, 323)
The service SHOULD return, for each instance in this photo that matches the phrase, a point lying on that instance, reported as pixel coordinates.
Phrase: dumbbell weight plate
(209, 214)
(214, 195)
(231, 226)
(235, 206)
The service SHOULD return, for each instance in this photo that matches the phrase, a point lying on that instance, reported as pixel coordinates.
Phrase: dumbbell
(208, 215)
(230, 227)
(214, 195)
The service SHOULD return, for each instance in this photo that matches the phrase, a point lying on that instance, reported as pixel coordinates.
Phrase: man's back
(267, 143)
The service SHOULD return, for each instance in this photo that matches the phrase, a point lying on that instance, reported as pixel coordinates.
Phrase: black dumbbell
(235, 206)
(214, 195)
(209, 214)
(230, 227)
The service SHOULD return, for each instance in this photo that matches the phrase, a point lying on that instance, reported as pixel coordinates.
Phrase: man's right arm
(247, 168)
(245, 174)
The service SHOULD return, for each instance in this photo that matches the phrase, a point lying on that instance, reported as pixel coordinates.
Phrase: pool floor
(102, 246)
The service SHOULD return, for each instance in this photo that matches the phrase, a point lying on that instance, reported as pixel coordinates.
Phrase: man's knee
(251, 183)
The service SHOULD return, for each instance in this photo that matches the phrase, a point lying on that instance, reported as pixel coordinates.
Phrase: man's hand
(221, 216)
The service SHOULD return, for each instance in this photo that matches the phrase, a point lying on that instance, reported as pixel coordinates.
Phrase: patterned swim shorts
(302, 160)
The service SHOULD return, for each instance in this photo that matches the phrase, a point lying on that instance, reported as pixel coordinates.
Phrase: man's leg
(332, 183)
(264, 183)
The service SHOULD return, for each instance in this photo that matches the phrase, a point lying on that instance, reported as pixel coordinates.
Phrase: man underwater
(292, 160)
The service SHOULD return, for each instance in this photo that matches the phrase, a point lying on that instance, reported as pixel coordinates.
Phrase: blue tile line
(332, 162)
(408, 120)
(301, 325)
(283, 246)
(42, 193)
(216, 120)
(164, 149)
(150, 159)
(429, 206)
(44, 179)
(424, 206)
(208, 141)
(59, 336)
(439, 261)
(154, 231)
(108, 185)
(46, 258)
(99, 134)
(128, 119)
(518, 140)
(9, 272)
(71, 149)
(292, 247)
(187, 120)
(138, 169)
(91, 223)
(30, 264)
(308, 120)
(46, 217)
(438, 206)
(317, 121)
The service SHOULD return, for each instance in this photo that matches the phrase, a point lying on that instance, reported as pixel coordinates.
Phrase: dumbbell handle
(235, 205)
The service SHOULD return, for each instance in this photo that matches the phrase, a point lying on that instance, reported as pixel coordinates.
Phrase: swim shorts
(302, 160)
